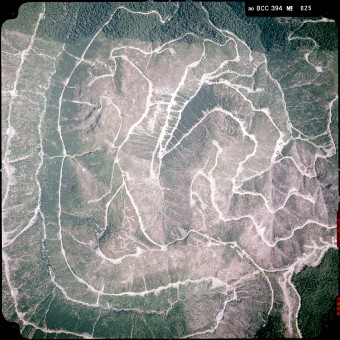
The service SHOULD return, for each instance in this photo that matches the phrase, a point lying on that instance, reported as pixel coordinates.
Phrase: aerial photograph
(169, 171)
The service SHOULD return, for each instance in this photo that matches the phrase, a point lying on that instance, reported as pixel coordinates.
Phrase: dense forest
(274, 328)
(318, 288)
(26, 19)
(262, 34)
(324, 33)
(188, 18)
(71, 22)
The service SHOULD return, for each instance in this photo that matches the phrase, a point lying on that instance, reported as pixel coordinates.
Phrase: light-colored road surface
(210, 202)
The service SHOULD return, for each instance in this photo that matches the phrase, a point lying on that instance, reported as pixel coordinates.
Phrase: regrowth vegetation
(167, 167)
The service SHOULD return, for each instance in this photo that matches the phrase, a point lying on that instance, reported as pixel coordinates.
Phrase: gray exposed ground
(164, 188)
